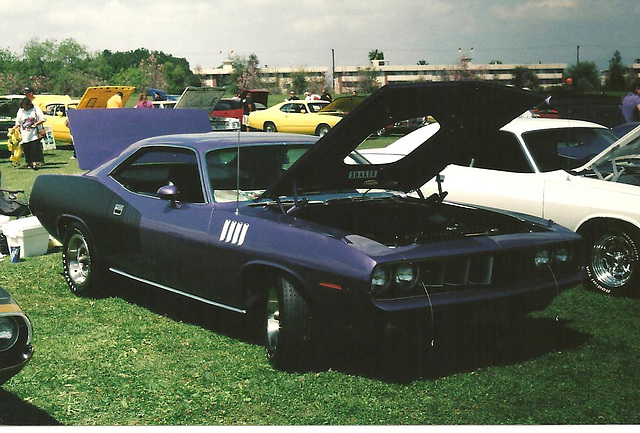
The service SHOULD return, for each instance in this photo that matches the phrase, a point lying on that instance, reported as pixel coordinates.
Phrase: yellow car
(56, 115)
(55, 107)
(314, 117)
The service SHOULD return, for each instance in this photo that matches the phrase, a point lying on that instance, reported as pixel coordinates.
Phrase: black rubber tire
(270, 127)
(287, 327)
(80, 262)
(322, 130)
(612, 259)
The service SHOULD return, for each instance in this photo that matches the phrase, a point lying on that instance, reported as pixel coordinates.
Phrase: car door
(293, 119)
(171, 238)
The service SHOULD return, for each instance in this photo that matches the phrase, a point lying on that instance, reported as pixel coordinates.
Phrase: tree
(245, 74)
(585, 77)
(617, 71)
(422, 62)
(376, 55)
(299, 82)
(525, 77)
(367, 82)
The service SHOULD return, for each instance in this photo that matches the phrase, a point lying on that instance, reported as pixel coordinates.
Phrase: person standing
(143, 102)
(247, 107)
(115, 101)
(326, 96)
(29, 118)
(631, 103)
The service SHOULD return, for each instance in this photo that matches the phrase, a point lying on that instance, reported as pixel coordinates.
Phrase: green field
(137, 357)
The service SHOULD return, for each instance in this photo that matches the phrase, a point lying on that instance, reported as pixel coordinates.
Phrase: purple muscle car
(291, 230)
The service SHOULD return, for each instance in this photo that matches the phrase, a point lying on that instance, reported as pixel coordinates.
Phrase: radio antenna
(238, 172)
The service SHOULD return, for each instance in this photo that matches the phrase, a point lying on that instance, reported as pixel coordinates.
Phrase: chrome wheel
(273, 321)
(613, 259)
(78, 259)
(287, 326)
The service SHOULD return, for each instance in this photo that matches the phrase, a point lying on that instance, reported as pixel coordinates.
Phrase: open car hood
(468, 112)
(344, 104)
(99, 135)
(201, 98)
(97, 97)
(626, 146)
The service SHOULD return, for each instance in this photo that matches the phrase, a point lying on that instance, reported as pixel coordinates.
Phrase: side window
(150, 168)
(502, 152)
(287, 108)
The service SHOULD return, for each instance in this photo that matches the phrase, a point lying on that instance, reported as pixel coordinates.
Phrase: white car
(572, 172)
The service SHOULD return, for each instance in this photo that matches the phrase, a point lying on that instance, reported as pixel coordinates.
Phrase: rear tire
(80, 262)
(612, 263)
(270, 127)
(287, 327)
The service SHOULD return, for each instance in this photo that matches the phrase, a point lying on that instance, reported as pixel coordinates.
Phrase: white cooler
(28, 234)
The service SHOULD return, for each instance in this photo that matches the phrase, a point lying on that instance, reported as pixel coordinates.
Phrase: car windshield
(623, 159)
(246, 172)
(566, 148)
(315, 106)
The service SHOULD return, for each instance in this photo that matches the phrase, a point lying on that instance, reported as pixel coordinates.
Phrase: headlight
(542, 258)
(379, 280)
(561, 255)
(8, 332)
(405, 276)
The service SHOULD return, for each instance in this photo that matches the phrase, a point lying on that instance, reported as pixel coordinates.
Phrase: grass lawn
(137, 357)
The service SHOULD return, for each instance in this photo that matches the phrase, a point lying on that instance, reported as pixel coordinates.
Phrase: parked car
(56, 117)
(9, 106)
(232, 108)
(278, 228)
(314, 117)
(15, 337)
(570, 171)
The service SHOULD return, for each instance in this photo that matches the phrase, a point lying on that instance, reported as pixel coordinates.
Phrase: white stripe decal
(245, 227)
(234, 232)
(223, 234)
(232, 228)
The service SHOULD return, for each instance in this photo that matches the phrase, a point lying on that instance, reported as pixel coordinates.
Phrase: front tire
(323, 130)
(613, 265)
(287, 327)
(80, 263)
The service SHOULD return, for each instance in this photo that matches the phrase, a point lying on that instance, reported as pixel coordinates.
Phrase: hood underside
(467, 111)
(626, 146)
(201, 98)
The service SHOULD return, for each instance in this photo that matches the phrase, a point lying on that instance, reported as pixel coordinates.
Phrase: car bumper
(16, 363)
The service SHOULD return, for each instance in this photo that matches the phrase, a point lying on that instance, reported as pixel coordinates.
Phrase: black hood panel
(467, 111)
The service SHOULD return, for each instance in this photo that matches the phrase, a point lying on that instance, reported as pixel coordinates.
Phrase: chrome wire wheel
(613, 259)
(273, 321)
(78, 259)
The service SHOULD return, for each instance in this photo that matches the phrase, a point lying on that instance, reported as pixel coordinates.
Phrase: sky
(299, 33)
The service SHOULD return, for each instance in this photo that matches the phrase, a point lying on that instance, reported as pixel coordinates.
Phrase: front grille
(458, 273)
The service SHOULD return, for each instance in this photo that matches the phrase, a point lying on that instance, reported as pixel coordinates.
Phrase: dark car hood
(202, 98)
(467, 111)
(344, 104)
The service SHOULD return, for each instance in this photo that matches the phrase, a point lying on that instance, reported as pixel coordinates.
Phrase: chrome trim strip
(169, 289)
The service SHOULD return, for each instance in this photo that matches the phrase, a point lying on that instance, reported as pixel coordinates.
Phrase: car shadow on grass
(400, 355)
(16, 412)
(413, 355)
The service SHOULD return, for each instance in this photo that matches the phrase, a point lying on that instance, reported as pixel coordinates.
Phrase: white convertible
(572, 172)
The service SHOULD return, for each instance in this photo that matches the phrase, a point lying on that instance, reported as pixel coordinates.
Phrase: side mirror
(59, 114)
(303, 111)
(170, 193)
